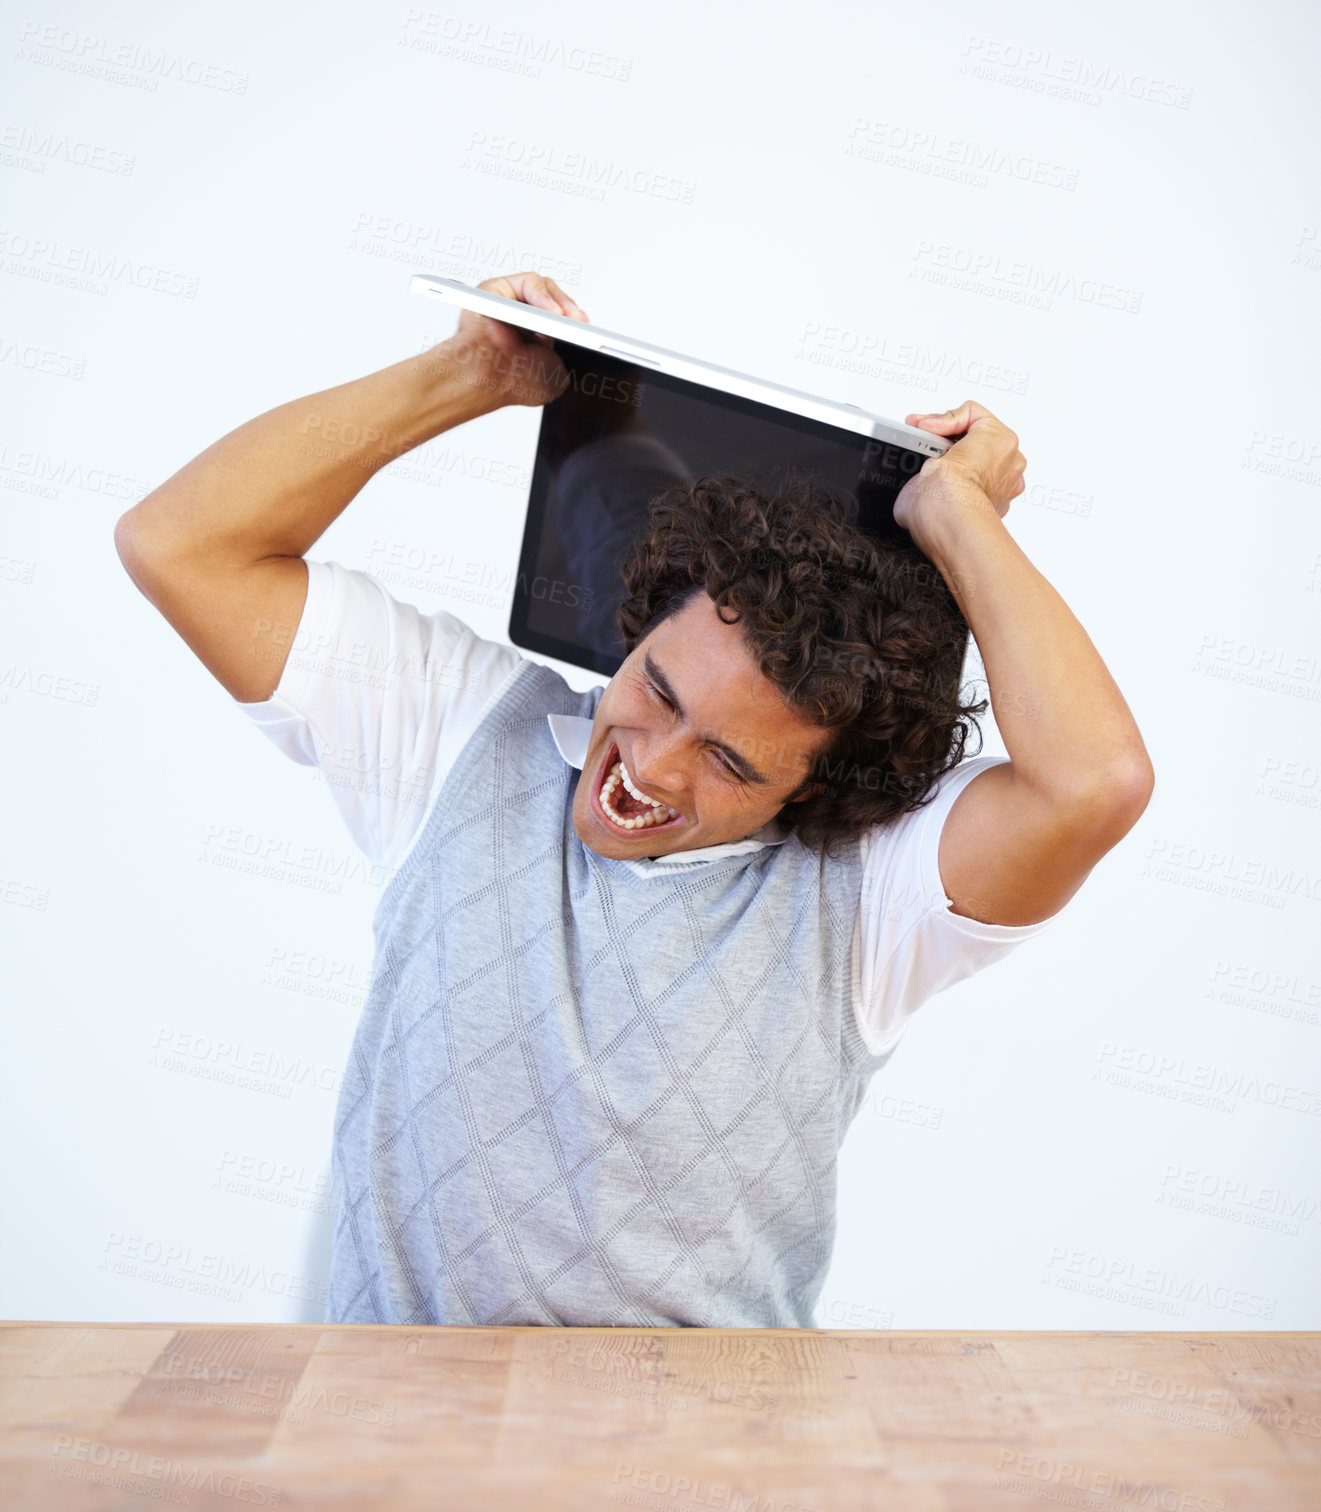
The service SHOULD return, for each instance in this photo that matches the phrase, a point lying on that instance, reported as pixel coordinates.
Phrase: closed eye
(720, 760)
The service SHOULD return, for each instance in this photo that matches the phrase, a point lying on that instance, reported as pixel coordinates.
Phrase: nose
(657, 765)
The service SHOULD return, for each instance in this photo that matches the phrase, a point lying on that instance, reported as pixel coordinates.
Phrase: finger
(536, 290)
(968, 414)
(940, 425)
(545, 293)
(567, 304)
(528, 288)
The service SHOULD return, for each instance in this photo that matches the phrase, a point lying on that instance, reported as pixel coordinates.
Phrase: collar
(572, 735)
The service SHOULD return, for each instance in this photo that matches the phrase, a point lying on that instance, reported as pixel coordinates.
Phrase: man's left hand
(983, 466)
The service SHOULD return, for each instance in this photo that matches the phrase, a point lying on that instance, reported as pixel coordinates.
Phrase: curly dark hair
(860, 634)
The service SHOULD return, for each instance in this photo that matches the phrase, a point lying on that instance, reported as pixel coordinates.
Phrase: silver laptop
(691, 369)
(636, 419)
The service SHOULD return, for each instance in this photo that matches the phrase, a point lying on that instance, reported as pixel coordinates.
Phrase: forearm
(276, 484)
(1064, 722)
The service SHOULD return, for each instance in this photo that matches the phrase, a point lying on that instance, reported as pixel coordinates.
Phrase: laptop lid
(636, 419)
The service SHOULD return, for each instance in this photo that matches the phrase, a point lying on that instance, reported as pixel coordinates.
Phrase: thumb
(943, 424)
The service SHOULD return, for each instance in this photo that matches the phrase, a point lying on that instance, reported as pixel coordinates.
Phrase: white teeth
(641, 797)
(660, 813)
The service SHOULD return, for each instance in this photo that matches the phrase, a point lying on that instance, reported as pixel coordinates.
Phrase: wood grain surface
(97, 1416)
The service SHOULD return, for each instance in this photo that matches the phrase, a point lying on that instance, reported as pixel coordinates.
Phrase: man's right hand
(218, 547)
(516, 366)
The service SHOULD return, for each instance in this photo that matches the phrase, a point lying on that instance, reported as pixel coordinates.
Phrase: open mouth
(619, 811)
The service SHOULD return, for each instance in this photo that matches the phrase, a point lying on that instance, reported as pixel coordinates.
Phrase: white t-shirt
(382, 698)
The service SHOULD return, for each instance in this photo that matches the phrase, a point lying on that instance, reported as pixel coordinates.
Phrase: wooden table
(672, 1420)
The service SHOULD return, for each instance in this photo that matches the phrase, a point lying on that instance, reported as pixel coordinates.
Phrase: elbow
(124, 547)
(1114, 802)
(147, 531)
(123, 536)
(134, 553)
(1137, 790)
(131, 531)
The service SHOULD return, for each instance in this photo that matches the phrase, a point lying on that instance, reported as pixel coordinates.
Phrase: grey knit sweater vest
(584, 1097)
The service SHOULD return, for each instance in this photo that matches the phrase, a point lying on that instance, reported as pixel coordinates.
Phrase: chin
(622, 850)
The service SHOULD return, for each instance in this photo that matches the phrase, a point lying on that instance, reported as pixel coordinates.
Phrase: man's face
(724, 700)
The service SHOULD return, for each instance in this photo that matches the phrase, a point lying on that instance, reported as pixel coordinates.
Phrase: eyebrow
(741, 763)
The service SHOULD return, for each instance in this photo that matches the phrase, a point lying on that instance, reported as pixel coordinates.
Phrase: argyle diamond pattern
(580, 1096)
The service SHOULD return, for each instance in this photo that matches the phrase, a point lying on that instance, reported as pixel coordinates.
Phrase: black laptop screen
(619, 435)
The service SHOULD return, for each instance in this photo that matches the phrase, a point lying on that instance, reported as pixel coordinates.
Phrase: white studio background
(1105, 228)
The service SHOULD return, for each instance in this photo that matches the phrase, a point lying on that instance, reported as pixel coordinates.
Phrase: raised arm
(218, 547)
(1021, 838)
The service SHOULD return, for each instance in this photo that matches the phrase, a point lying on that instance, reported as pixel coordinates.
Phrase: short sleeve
(910, 944)
(380, 698)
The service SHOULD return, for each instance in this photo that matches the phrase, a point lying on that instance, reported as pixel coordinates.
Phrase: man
(620, 1022)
